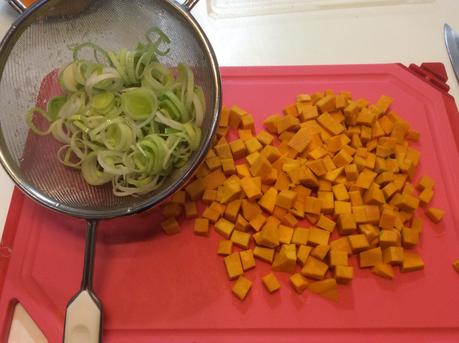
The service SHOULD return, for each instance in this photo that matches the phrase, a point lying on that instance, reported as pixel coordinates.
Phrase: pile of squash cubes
(329, 178)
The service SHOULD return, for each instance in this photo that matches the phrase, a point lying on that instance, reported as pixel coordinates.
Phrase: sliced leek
(124, 118)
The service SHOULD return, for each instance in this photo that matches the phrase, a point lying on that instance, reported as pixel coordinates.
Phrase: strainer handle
(83, 317)
(189, 4)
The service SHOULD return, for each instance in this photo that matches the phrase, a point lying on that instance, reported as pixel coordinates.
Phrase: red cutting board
(157, 288)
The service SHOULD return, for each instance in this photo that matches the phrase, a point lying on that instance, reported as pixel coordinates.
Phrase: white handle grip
(83, 320)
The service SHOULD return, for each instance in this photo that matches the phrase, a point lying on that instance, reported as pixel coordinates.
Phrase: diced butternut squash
(312, 205)
(300, 140)
(328, 159)
(211, 214)
(387, 220)
(172, 210)
(383, 270)
(271, 283)
(242, 287)
(302, 254)
(209, 196)
(408, 202)
(257, 222)
(251, 188)
(265, 138)
(241, 239)
(238, 148)
(426, 196)
(195, 189)
(233, 265)
(330, 124)
(252, 145)
(285, 259)
(269, 199)
(247, 259)
(347, 223)
(425, 183)
(320, 251)
(170, 226)
(287, 122)
(247, 122)
(342, 207)
(326, 223)
(411, 262)
(410, 237)
(224, 117)
(201, 226)
(327, 202)
(191, 210)
(338, 258)
(213, 162)
(435, 214)
(269, 236)
(388, 238)
(393, 255)
(300, 236)
(241, 224)
(314, 268)
(228, 166)
(285, 234)
(326, 288)
(232, 210)
(250, 209)
(264, 254)
(343, 274)
(341, 244)
(285, 199)
(370, 231)
(235, 115)
(228, 192)
(298, 282)
(318, 236)
(358, 243)
(224, 227)
(225, 247)
(365, 179)
(370, 257)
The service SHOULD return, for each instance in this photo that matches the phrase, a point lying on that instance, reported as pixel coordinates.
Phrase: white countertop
(406, 33)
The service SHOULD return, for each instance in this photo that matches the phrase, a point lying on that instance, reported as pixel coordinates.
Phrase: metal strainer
(35, 45)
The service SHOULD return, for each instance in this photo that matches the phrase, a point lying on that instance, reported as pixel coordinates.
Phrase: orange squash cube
(383, 270)
(318, 236)
(271, 283)
(233, 265)
(285, 259)
(298, 282)
(247, 259)
(302, 253)
(370, 257)
(338, 258)
(241, 239)
(435, 214)
(242, 287)
(411, 262)
(343, 274)
(225, 247)
(285, 199)
(170, 226)
(314, 268)
(264, 254)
